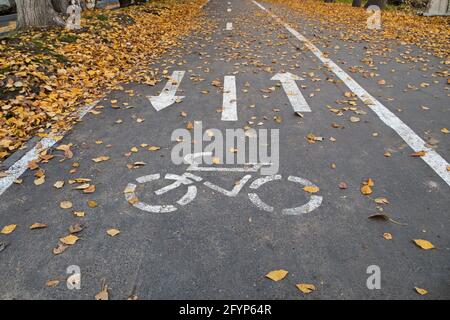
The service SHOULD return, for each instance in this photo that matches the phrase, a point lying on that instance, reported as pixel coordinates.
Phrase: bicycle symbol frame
(188, 179)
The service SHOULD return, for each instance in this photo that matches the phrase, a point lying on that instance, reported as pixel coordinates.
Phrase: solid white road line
(229, 111)
(229, 26)
(293, 93)
(168, 95)
(432, 158)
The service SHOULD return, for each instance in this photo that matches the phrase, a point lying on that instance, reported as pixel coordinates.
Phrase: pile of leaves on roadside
(45, 76)
(404, 26)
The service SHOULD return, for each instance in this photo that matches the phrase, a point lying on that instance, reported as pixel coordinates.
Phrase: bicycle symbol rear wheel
(189, 196)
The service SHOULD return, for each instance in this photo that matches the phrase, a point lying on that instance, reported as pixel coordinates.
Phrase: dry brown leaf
(38, 225)
(343, 185)
(76, 228)
(52, 283)
(89, 189)
(103, 294)
(100, 159)
(59, 249)
(385, 217)
(418, 154)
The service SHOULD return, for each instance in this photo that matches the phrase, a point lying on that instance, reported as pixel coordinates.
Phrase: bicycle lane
(359, 152)
(403, 179)
(218, 246)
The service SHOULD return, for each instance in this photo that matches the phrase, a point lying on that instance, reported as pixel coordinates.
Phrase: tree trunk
(380, 3)
(357, 3)
(37, 13)
(61, 5)
(12, 4)
(124, 3)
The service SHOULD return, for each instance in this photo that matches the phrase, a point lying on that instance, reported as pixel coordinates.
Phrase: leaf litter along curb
(405, 26)
(46, 76)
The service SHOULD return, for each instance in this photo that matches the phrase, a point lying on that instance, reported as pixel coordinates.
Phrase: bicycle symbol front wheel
(314, 202)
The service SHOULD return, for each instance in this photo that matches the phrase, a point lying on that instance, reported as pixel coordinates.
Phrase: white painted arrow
(168, 95)
(295, 97)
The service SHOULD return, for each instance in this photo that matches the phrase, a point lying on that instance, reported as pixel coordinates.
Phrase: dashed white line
(229, 26)
(229, 111)
(432, 158)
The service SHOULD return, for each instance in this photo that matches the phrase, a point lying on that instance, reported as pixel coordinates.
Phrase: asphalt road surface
(220, 245)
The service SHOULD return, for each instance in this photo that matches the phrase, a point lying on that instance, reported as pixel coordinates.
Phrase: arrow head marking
(285, 77)
(162, 102)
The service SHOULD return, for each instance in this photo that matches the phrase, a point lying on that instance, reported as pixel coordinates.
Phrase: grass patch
(102, 17)
(68, 38)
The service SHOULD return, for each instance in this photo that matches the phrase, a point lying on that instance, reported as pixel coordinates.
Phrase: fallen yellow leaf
(59, 184)
(277, 275)
(100, 159)
(381, 201)
(113, 232)
(424, 244)
(38, 225)
(39, 181)
(311, 189)
(418, 154)
(92, 204)
(421, 291)
(8, 229)
(305, 287)
(69, 240)
(66, 205)
(366, 190)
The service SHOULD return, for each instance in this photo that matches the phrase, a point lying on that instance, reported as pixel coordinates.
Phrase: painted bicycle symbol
(188, 179)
